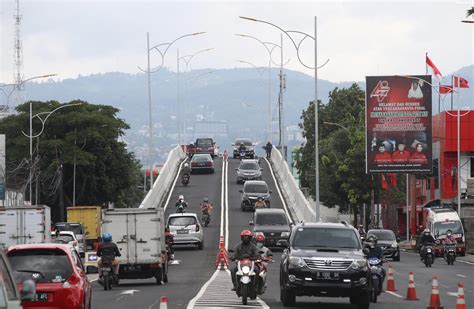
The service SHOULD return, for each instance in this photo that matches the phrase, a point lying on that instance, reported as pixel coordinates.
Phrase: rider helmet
(246, 236)
(181, 197)
(186, 165)
(260, 198)
(426, 232)
(107, 237)
(260, 240)
(205, 200)
(449, 232)
(372, 241)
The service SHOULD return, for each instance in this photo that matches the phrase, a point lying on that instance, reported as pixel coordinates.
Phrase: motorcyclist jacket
(206, 208)
(268, 147)
(376, 252)
(242, 251)
(178, 203)
(108, 249)
(186, 170)
(260, 204)
(427, 239)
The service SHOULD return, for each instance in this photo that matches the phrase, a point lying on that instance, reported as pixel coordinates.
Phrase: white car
(186, 229)
(66, 237)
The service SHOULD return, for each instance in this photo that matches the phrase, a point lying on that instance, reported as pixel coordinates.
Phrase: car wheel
(287, 297)
(363, 301)
(200, 245)
(396, 257)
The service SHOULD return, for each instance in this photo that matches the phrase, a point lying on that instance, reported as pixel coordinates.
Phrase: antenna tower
(18, 57)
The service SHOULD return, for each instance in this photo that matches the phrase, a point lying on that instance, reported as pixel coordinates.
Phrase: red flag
(460, 82)
(444, 89)
(384, 182)
(393, 179)
(435, 70)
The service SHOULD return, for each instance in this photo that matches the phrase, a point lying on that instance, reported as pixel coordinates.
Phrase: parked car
(78, 230)
(272, 223)
(387, 240)
(186, 229)
(202, 162)
(9, 296)
(326, 260)
(61, 281)
(205, 146)
(253, 189)
(248, 170)
(65, 237)
(249, 148)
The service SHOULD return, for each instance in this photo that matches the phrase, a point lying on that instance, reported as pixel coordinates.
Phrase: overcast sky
(360, 38)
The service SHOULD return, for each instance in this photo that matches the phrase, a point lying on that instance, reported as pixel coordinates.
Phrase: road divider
(163, 302)
(411, 290)
(390, 280)
(435, 299)
(460, 301)
(222, 259)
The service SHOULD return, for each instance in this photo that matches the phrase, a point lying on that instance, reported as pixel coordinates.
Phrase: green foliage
(86, 134)
(343, 180)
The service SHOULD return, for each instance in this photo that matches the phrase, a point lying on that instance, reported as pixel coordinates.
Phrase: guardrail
(162, 184)
(294, 197)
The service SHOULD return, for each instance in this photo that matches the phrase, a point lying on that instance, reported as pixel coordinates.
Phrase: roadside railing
(294, 197)
(162, 184)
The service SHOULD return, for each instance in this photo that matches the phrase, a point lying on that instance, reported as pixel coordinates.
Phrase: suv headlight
(296, 261)
(394, 245)
(359, 264)
(285, 234)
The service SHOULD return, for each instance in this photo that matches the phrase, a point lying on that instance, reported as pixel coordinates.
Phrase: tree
(343, 180)
(86, 134)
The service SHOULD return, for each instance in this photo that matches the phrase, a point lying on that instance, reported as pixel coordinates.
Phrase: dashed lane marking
(462, 276)
(394, 294)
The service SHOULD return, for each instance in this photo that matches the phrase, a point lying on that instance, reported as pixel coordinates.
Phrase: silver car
(248, 170)
(186, 229)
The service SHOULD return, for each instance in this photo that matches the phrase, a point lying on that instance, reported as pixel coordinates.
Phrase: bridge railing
(294, 197)
(162, 184)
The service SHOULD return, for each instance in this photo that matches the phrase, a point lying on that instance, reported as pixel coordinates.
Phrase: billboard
(2, 167)
(398, 124)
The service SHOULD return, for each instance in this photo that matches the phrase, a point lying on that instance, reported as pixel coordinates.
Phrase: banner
(398, 124)
(2, 167)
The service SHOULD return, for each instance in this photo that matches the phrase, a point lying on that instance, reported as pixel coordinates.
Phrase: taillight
(209, 163)
(197, 227)
(73, 280)
(194, 164)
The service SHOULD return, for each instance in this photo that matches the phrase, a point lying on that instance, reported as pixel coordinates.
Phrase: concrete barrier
(162, 184)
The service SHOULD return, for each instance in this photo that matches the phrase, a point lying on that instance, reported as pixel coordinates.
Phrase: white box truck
(24, 225)
(140, 236)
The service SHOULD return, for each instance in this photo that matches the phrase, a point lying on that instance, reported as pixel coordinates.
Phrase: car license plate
(41, 297)
(328, 276)
(201, 164)
(183, 231)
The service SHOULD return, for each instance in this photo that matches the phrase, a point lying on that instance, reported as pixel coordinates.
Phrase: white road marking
(173, 185)
(202, 290)
(226, 205)
(462, 276)
(175, 262)
(129, 292)
(285, 207)
(222, 199)
(394, 294)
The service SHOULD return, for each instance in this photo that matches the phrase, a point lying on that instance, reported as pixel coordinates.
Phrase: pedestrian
(268, 149)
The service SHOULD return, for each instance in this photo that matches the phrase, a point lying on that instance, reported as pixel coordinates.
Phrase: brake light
(209, 163)
(73, 280)
(197, 227)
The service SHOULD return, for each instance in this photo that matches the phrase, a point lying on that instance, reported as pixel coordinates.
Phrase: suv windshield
(75, 228)
(326, 238)
(440, 228)
(52, 265)
(249, 166)
(205, 142)
(271, 219)
(182, 221)
(243, 141)
(382, 235)
(255, 188)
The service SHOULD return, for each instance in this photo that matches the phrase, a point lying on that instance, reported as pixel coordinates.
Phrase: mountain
(237, 96)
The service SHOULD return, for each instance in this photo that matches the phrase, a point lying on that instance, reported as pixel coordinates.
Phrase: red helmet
(246, 233)
(260, 238)
(246, 236)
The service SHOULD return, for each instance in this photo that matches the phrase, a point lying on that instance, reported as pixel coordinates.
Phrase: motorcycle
(261, 282)
(205, 219)
(242, 154)
(450, 253)
(181, 208)
(185, 179)
(246, 285)
(377, 277)
(108, 277)
(428, 255)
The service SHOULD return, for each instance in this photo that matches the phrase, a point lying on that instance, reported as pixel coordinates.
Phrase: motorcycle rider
(108, 250)
(186, 170)
(449, 240)
(169, 240)
(426, 239)
(361, 231)
(242, 148)
(375, 251)
(180, 202)
(206, 207)
(260, 203)
(245, 249)
(265, 253)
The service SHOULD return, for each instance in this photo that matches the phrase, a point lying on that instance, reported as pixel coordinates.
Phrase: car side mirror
(251, 222)
(366, 251)
(241, 191)
(283, 243)
(28, 291)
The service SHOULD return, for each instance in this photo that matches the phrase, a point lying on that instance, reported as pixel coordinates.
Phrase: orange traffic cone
(411, 291)
(461, 302)
(164, 302)
(390, 280)
(435, 301)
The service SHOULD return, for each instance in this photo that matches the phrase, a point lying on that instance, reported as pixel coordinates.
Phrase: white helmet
(181, 197)
(186, 165)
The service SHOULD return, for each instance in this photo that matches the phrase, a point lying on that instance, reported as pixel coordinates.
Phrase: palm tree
(470, 11)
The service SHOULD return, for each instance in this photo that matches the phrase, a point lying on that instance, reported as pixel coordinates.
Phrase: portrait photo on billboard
(398, 124)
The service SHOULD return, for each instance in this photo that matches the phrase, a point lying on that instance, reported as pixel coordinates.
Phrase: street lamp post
(297, 45)
(158, 47)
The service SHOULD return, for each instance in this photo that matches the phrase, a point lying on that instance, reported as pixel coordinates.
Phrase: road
(195, 283)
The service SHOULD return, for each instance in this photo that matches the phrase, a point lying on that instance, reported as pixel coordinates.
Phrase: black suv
(324, 259)
(272, 223)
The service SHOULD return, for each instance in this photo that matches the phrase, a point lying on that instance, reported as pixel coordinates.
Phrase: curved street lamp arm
(187, 58)
(265, 45)
(259, 69)
(336, 124)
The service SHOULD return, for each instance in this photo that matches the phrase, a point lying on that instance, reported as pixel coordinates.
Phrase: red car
(61, 281)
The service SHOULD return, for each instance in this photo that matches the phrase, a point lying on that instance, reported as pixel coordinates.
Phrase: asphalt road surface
(194, 282)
